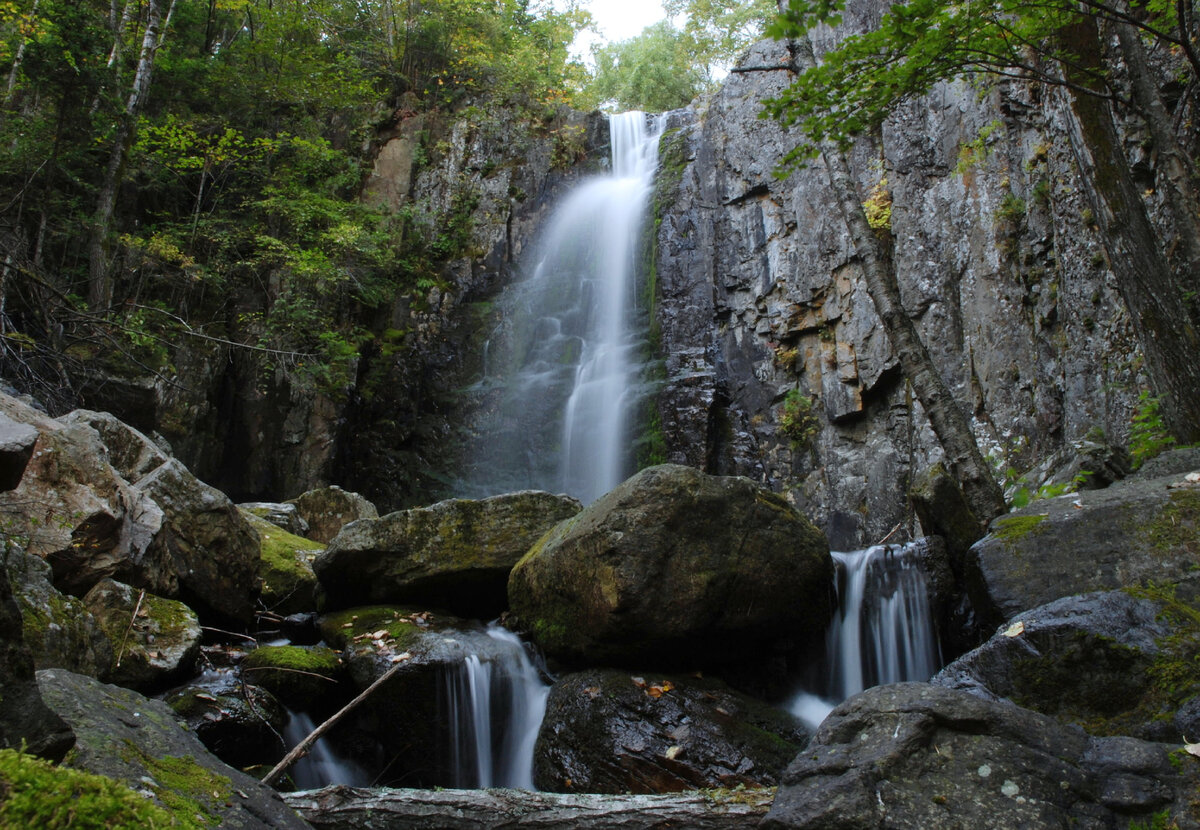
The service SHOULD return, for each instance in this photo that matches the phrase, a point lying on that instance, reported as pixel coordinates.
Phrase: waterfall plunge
(572, 348)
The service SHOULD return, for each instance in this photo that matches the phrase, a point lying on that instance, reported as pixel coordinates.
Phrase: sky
(617, 20)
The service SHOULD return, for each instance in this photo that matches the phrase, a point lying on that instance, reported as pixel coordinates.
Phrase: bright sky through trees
(616, 20)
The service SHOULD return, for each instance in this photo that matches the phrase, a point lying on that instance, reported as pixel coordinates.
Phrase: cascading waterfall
(322, 766)
(574, 360)
(883, 631)
(495, 707)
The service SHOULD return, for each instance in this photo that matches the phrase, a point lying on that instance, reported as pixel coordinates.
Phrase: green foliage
(718, 30)
(878, 207)
(35, 793)
(798, 420)
(1148, 434)
(972, 153)
(653, 72)
(1159, 821)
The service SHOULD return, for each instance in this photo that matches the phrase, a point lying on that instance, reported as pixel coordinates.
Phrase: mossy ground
(37, 794)
(339, 629)
(1015, 528)
(183, 786)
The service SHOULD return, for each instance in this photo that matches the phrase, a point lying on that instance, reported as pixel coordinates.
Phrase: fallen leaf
(667, 685)
(1193, 749)
(379, 635)
(655, 691)
(592, 692)
(205, 696)
(1015, 630)
(640, 682)
(672, 752)
(1193, 478)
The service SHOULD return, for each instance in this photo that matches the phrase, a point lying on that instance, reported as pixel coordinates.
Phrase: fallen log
(351, 808)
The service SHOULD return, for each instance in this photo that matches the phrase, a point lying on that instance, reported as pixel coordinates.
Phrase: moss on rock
(289, 585)
(301, 677)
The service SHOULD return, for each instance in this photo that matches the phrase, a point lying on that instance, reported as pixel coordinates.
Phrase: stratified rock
(25, 721)
(675, 567)
(283, 515)
(59, 630)
(456, 554)
(302, 677)
(239, 723)
(1136, 531)
(1082, 659)
(348, 808)
(155, 641)
(919, 756)
(288, 585)
(132, 454)
(327, 510)
(16, 448)
(124, 736)
(607, 731)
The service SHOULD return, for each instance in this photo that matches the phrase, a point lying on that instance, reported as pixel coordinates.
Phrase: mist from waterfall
(568, 363)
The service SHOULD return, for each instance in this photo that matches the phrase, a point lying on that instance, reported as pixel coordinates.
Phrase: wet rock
(943, 511)
(284, 515)
(607, 731)
(674, 568)
(239, 723)
(24, 719)
(59, 629)
(155, 641)
(288, 583)
(16, 448)
(915, 755)
(1083, 659)
(456, 554)
(1171, 463)
(139, 742)
(1136, 531)
(328, 509)
(301, 677)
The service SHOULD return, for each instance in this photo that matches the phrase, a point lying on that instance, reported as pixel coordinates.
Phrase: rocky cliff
(998, 262)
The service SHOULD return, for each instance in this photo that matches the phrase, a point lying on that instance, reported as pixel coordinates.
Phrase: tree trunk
(1155, 298)
(346, 808)
(99, 276)
(18, 59)
(966, 463)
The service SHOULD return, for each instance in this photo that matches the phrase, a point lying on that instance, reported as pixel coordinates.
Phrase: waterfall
(322, 766)
(883, 631)
(495, 706)
(571, 378)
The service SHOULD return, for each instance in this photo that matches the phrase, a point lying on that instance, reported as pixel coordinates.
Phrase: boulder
(1174, 462)
(139, 742)
(1136, 531)
(283, 515)
(288, 584)
(675, 568)
(1083, 659)
(943, 511)
(16, 448)
(59, 629)
(607, 731)
(131, 453)
(155, 641)
(239, 723)
(327, 510)
(916, 755)
(213, 549)
(25, 721)
(456, 554)
(301, 677)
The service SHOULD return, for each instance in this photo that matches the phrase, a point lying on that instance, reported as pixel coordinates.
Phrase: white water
(495, 708)
(321, 766)
(571, 374)
(883, 631)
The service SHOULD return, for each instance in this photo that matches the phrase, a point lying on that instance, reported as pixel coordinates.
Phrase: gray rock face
(455, 554)
(326, 510)
(919, 756)
(675, 568)
(139, 742)
(284, 515)
(759, 293)
(1081, 659)
(240, 725)
(609, 732)
(16, 448)
(1137, 531)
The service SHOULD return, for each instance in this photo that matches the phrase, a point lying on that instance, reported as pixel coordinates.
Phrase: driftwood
(350, 808)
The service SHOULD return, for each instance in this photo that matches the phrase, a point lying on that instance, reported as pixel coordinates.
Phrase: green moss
(1177, 526)
(340, 628)
(1015, 528)
(322, 661)
(182, 785)
(750, 796)
(35, 793)
(288, 582)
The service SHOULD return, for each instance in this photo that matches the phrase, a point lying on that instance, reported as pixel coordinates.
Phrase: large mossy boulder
(1138, 531)
(239, 723)
(154, 641)
(455, 554)
(675, 568)
(287, 581)
(607, 731)
(25, 721)
(139, 742)
(301, 677)
(914, 755)
(326, 510)
(59, 630)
